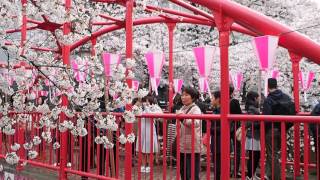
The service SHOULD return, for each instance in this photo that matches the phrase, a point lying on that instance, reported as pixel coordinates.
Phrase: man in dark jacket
(269, 108)
(216, 132)
(313, 129)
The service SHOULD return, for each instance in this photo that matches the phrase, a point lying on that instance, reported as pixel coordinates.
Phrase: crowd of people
(192, 131)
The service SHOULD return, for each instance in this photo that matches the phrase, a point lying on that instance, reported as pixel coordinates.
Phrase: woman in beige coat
(189, 97)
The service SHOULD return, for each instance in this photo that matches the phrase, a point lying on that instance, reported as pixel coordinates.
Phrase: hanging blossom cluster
(130, 138)
(104, 141)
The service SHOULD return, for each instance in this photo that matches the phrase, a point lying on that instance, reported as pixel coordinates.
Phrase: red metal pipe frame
(295, 59)
(64, 135)
(264, 25)
(20, 128)
(193, 9)
(151, 20)
(129, 55)
(223, 23)
(20, 30)
(171, 27)
(111, 18)
(33, 47)
(166, 10)
(80, 173)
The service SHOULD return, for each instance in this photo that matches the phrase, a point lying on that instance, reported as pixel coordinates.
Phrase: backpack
(284, 106)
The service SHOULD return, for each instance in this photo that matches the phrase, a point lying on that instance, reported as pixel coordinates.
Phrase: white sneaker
(143, 169)
(147, 170)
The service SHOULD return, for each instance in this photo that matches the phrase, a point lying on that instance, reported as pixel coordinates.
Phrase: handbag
(174, 143)
(239, 134)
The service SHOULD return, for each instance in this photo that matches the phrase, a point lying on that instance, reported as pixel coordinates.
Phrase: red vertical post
(178, 150)
(64, 135)
(263, 150)
(224, 23)
(295, 59)
(164, 152)
(306, 150)
(192, 150)
(208, 149)
(283, 150)
(20, 127)
(151, 148)
(89, 147)
(171, 27)
(128, 126)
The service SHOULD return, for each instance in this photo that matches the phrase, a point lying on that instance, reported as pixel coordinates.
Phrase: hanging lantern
(135, 85)
(204, 86)
(273, 74)
(110, 61)
(80, 68)
(155, 82)
(177, 85)
(237, 80)
(155, 61)
(265, 49)
(204, 58)
(306, 79)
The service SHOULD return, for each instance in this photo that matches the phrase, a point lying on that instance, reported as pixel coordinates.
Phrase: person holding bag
(252, 133)
(189, 97)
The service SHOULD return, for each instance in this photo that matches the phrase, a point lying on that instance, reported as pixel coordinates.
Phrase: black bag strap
(190, 109)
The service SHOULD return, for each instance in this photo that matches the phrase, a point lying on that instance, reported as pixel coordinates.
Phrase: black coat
(234, 109)
(270, 102)
(313, 127)
(256, 125)
(272, 99)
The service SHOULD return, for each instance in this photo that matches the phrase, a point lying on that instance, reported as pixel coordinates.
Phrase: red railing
(88, 159)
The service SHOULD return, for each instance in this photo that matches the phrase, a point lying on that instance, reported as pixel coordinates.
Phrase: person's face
(186, 99)
(215, 101)
(138, 103)
(146, 104)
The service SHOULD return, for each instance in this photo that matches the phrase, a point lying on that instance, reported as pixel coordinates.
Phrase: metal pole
(64, 135)
(128, 126)
(224, 23)
(20, 127)
(259, 85)
(171, 27)
(295, 59)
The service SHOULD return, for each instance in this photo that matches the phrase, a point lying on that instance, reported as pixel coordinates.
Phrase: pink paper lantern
(203, 85)
(155, 82)
(110, 61)
(273, 74)
(265, 48)
(80, 69)
(135, 85)
(177, 85)
(155, 61)
(237, 80)
(204, 59)
(306, 79)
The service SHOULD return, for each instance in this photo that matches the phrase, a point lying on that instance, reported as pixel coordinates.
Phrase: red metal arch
(263, 25)
(250, 22)
(153, 20)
